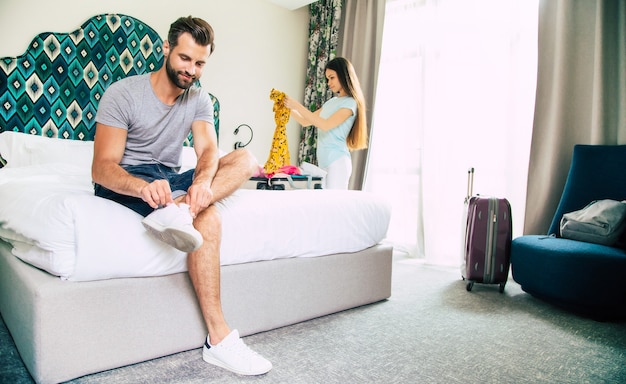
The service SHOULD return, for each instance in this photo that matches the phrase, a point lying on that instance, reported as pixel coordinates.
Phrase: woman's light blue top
(331, 144)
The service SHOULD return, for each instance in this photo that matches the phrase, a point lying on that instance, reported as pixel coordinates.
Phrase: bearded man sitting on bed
(142, 122)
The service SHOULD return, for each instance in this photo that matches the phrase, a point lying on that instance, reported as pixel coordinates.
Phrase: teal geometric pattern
(54, 88)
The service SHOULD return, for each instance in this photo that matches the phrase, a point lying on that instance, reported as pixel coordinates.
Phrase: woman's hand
(290, 103)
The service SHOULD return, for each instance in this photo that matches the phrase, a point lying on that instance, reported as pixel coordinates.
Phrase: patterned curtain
(323, 40)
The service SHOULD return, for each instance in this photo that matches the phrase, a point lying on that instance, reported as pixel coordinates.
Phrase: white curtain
(456, 89)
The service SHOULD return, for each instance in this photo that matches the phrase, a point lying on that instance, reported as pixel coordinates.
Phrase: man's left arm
(199, 195)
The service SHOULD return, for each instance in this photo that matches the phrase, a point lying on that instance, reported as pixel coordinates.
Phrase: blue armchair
(586, 278)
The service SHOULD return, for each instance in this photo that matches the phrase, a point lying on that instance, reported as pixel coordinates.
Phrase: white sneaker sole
(181, 240)
(206, 356)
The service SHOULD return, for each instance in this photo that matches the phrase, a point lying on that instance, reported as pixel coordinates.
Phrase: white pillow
(51, 217)
(188, 159)
(22, 150)
(34, 215)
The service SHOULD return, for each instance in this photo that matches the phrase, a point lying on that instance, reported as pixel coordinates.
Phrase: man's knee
(209, 221)
(243, 159)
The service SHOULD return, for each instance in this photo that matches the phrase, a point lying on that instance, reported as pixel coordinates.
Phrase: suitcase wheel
(469, 286)
(502, 287)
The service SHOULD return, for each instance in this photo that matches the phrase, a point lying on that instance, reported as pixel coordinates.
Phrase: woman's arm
(300, 119)
(306, 117)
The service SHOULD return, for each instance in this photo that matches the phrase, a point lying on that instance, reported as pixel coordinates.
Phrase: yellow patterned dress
(279, 153)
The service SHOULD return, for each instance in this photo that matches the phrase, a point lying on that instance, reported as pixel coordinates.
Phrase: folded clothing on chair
(601, 222)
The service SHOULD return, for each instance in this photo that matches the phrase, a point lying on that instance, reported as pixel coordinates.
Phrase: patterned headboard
(53, 89)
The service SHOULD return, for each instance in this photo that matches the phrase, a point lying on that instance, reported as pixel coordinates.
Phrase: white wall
(259, 46)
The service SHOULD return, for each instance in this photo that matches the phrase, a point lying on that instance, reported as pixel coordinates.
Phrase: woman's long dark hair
(357, 138)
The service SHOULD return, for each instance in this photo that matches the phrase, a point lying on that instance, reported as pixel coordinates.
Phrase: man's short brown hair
(200, 30)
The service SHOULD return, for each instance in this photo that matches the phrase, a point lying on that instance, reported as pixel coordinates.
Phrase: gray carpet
(430, 331)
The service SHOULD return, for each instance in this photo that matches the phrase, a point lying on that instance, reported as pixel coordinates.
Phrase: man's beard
(173, 76)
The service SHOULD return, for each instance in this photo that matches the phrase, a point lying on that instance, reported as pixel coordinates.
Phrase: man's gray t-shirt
(156, 131)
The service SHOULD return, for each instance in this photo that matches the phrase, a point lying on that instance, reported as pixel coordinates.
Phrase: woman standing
(341, 122)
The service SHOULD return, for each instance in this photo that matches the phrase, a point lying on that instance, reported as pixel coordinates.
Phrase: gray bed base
(64, 330)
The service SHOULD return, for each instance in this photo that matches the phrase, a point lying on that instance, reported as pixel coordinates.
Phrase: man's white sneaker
(173, 225)
(233, 354)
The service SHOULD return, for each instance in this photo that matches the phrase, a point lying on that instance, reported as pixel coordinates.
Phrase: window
(456, 89)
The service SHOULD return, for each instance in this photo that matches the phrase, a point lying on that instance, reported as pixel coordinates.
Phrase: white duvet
(49, 214)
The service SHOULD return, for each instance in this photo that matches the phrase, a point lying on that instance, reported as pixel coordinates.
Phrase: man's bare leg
(204, 270)
(204, 264)
(223, 348)
(234, 169)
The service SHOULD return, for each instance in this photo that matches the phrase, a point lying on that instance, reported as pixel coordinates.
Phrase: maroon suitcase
(488, 234)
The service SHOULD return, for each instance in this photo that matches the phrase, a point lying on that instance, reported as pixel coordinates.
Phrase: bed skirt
(65, 330)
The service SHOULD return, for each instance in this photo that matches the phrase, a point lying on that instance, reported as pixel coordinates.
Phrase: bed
(77, 271)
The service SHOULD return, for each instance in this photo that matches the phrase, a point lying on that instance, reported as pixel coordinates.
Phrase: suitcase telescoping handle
(470, 183)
